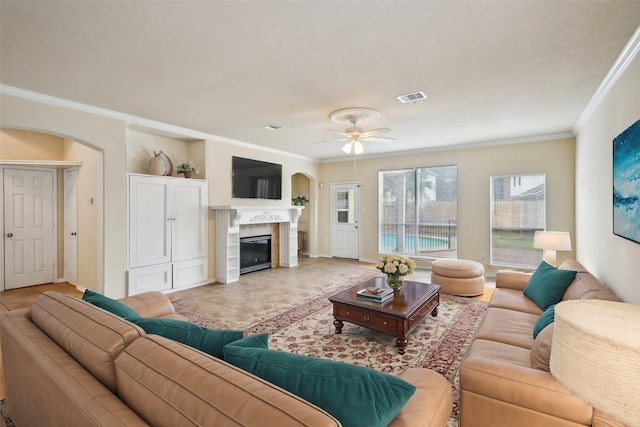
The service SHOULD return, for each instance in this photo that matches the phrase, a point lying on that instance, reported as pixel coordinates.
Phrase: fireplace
(255, 253)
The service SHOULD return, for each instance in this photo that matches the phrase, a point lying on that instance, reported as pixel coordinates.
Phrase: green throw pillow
(547, 285)
(111, 305)
(210, 341)
(357, 396)
(544, 320)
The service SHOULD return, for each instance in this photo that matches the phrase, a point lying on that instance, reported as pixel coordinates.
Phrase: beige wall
(475, 166)
(90, 208)
(27, 145)
(613, 259)
(103, 134)
(16, 144)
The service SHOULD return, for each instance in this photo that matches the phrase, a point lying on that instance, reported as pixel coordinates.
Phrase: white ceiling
(492, 70)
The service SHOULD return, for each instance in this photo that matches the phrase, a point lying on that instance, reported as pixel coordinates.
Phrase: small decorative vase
(187, 174)
(395, 282)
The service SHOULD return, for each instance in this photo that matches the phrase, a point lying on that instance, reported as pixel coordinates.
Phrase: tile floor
(247, 301)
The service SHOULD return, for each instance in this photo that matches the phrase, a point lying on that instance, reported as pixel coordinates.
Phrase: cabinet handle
(348, 313)
(385, 323)
(366, 318)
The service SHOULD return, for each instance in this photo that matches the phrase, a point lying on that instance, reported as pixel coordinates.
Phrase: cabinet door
(149, 221)
(189, 224)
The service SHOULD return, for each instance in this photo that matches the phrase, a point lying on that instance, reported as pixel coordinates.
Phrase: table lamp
(552, 241)
(595, 353)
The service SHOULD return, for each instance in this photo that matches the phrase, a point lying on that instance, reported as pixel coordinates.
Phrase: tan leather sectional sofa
(69, 363)
(504, 381)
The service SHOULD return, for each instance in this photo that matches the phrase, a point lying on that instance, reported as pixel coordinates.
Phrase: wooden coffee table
(397, 316)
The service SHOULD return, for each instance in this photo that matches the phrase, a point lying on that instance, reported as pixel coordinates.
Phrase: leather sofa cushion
(513, 300)
(431, 405)
(45, 386)
(152, 304)
(168, 383)
(92, 336)
(503, 372)
(507, 326)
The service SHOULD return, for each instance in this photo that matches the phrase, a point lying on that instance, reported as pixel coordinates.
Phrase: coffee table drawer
(422, 312)
(365, 318)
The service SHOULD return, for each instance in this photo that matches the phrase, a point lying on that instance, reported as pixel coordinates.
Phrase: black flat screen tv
(255, 179)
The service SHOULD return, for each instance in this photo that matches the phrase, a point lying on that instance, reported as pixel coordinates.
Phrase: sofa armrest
(150, 304)
(512, 279)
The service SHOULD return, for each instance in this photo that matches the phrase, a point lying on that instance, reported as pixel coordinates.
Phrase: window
(517, 210)
(421, 223)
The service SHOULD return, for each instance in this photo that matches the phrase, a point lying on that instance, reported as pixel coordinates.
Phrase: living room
(577, 162)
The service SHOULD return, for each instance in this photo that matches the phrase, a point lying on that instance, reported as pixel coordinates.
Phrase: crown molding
(625, 58)
(139, 123)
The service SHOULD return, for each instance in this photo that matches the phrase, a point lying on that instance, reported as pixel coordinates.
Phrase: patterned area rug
(438, 343)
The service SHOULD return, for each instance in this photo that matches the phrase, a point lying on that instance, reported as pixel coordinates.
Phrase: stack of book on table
(375, 294)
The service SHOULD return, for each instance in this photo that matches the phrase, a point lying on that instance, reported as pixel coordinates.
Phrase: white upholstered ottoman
(458, 277)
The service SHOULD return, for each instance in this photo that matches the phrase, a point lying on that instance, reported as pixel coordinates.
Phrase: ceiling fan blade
(338, 132)
(374, 132)
(331, 140)
(378, 139)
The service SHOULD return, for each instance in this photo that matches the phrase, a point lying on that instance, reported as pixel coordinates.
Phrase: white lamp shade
(555, 240)
(347, 148)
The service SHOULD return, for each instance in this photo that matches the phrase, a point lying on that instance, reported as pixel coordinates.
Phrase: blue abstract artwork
(626, 183)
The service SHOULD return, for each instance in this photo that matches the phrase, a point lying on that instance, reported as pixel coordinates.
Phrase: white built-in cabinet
(167, 233)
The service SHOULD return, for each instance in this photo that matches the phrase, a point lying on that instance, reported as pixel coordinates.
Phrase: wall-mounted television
(255, 179)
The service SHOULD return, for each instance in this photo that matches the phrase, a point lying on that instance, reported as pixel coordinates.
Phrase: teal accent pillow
(547, 285)
(544, 320)
(357, 396)
(111, 305)
(210, 341)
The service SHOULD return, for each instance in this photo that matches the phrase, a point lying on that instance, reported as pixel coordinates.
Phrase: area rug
(4, 412)
(438, 343)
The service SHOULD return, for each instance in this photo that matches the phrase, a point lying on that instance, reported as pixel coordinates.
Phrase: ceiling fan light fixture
(347, 148)
(358, 148)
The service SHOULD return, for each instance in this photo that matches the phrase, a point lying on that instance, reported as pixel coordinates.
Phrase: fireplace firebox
(255, 253)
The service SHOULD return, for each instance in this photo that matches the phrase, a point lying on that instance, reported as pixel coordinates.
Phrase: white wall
(612, 259)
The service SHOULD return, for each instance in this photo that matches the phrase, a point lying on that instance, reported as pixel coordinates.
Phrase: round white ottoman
(458, 277)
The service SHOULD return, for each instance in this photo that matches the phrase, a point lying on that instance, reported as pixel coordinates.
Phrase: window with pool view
(419, 212)
(517, 211)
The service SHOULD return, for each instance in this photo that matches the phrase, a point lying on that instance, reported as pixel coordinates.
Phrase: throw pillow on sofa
(357, 396)
(541, 349)
(111, 305)
(210, 341)
(547, 285)
(544, 320)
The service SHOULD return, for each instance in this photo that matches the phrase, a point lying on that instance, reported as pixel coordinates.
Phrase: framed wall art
(626, 183)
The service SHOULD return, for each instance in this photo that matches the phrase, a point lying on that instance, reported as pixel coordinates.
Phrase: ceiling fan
(354, 135)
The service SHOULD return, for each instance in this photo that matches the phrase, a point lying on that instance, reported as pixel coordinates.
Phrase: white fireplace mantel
(228, 221)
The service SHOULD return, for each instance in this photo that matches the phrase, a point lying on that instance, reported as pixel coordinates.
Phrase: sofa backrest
(168, 383)
(92, 336)
(585, 285)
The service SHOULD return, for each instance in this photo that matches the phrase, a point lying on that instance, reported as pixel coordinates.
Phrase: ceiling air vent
(273, 127)
(412, 97)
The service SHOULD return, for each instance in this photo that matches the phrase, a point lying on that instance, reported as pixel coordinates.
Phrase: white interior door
(71, 225)
(345, 241)
(28, 227)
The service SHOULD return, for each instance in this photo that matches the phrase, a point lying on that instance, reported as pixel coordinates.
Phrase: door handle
(10, 235)
(74, 234)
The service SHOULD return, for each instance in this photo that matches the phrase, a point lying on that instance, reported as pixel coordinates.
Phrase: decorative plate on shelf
(164, 162)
